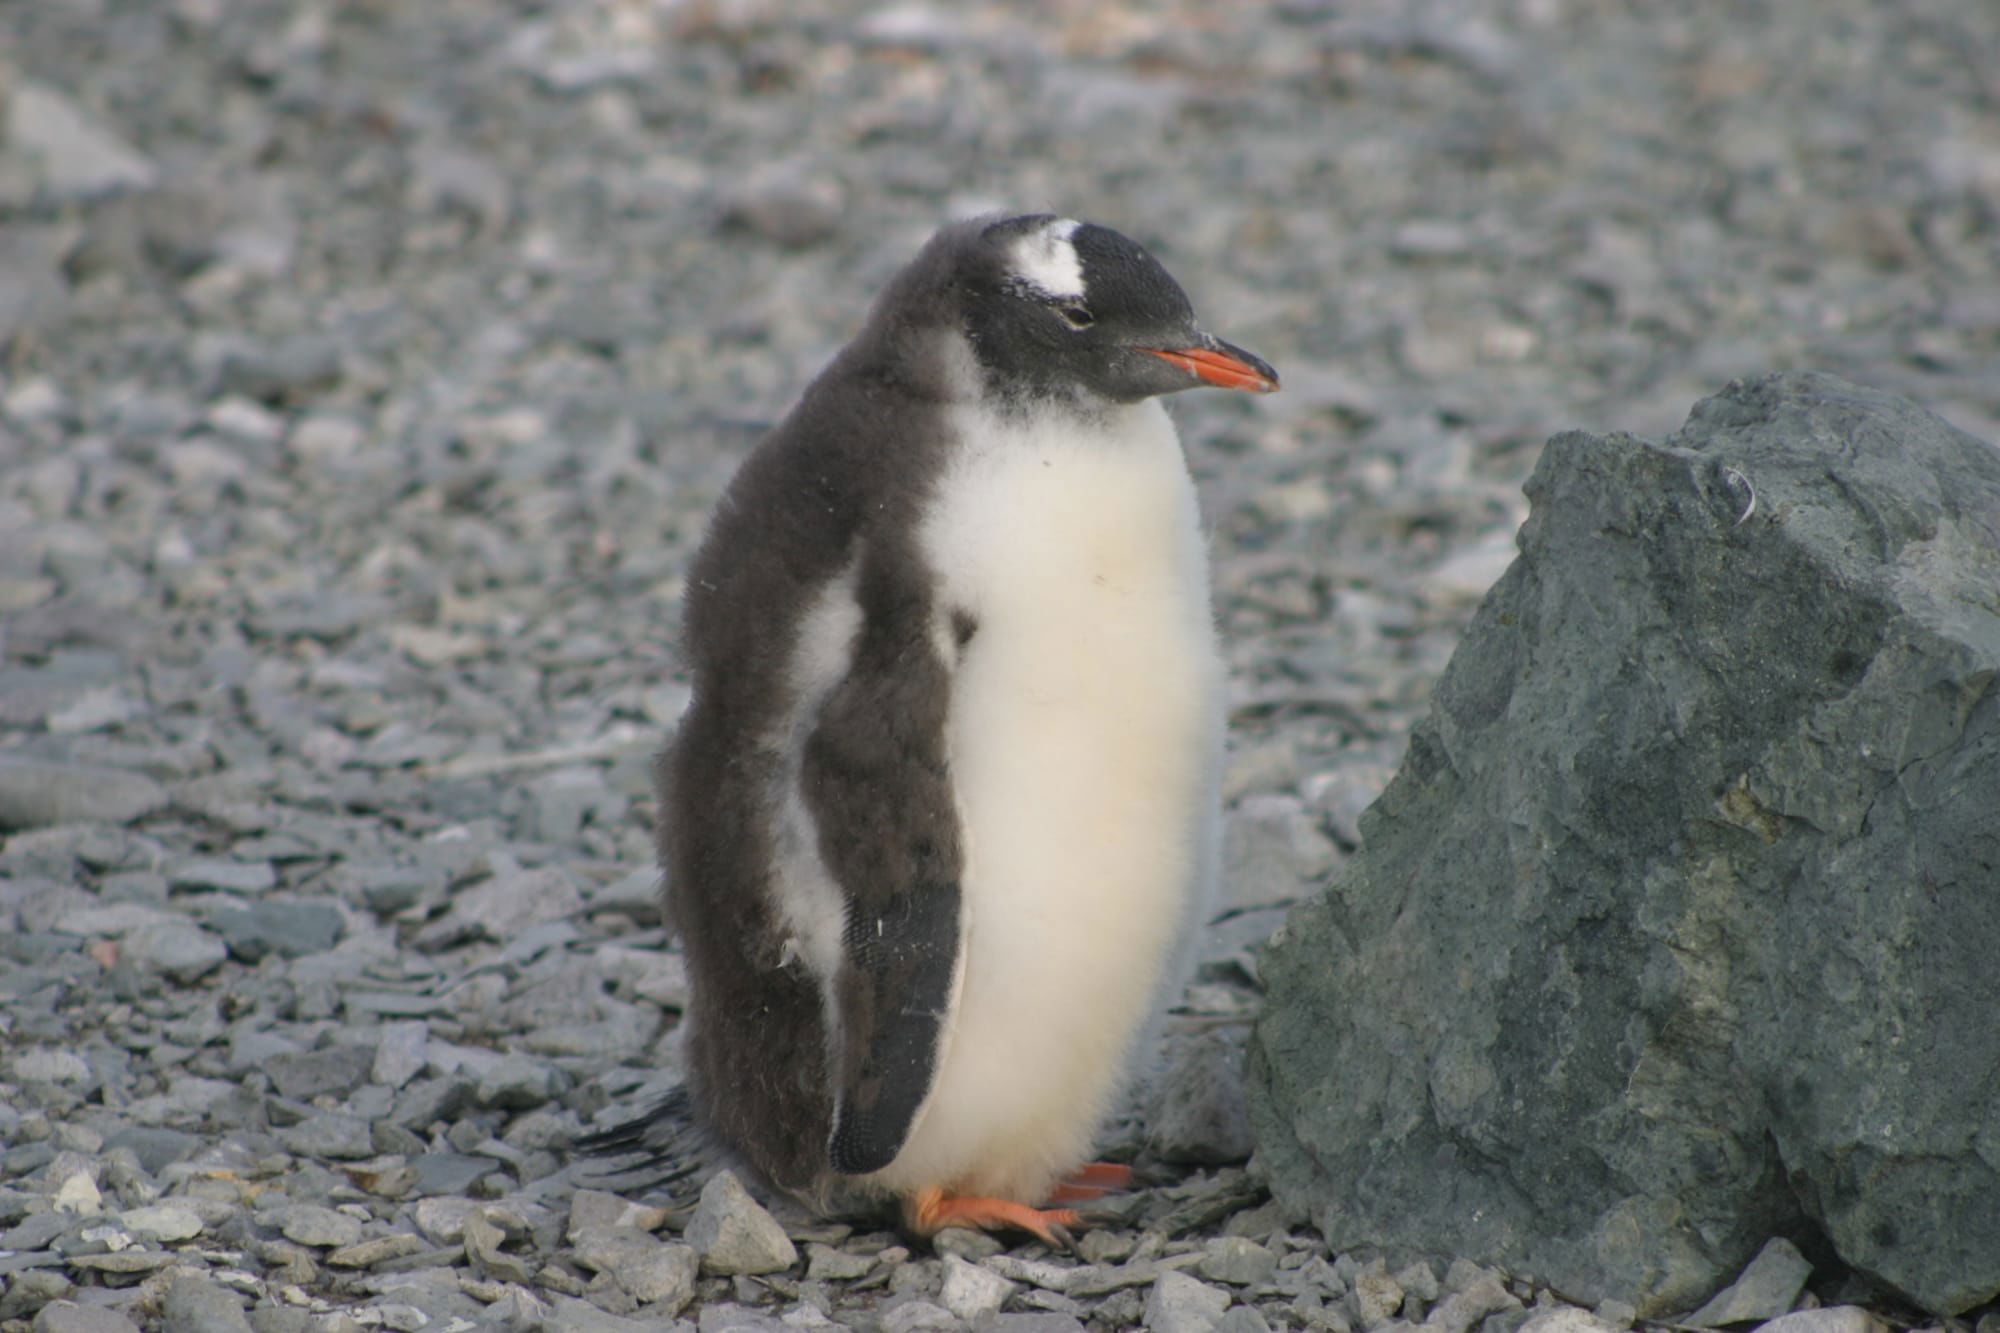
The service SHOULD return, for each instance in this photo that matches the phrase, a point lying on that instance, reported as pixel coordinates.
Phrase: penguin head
(1068, 311)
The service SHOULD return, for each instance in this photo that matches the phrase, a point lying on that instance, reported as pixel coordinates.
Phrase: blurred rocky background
(367, 368)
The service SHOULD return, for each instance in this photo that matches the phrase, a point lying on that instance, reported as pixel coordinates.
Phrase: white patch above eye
(1047, 261)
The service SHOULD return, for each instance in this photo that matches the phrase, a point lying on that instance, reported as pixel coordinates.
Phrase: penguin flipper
(894, 996)
(877, 783)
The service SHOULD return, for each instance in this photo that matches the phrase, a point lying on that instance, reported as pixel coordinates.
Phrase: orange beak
(1222, 365)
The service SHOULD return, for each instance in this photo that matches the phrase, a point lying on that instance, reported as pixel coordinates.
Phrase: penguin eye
(1076, 316)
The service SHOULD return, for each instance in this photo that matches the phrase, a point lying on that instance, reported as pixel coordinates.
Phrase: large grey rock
(1689, 886)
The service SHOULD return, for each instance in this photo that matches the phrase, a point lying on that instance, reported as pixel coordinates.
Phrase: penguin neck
(1018, 402)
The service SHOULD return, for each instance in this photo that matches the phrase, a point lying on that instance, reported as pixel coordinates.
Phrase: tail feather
(666, 1142)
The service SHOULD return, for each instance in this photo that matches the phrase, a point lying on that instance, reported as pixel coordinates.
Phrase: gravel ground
(366, 370)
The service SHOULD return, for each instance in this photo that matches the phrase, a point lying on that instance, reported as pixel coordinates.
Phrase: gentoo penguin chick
(943, 809)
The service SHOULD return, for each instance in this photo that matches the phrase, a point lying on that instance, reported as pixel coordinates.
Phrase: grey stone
(430, 1100)
(1562, 1319)
(1710, 751)
(320, 1228)
(43, 1065)
(1182, 1304)
(1375, 1296)
(1102, 1246)
(30, 1285)
(1764, 1290)
(1419, 1282)
(1827, 1319)
(649, 1269)
(80, 159)
(503, 905)
(599, 1208)
(918, 1316)
(518, 1083)
(830, 1263)
(1273, 851)
(270, 1318)
(734, 1234)
(729, 1317)
(288, 929)
(132, 1263)
(442, 1220)
(488, 1231)
(970, 1291)
(330, 1136)
(1199, 1112)
(95, 710)
(1615, 1313)
(162, 1222)
(381, 1250)
(968, 1243)
(254, 1049)
(1237, 1261)
(637, 895)
(567, 1314)
(449, 1173)
(1469, 1300)
(285, 368)
(913, 1277)
(224, 874)
(1463, 1275)
(69, 1317)
(156, 1148)
(400, 1052)
(37, 793)
(304, 1075)
(178, 950)
(1242, 1319)
(1025, 1321)
(112, 920)
(194, 1304)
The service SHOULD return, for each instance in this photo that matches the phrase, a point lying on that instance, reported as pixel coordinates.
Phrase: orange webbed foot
(1093, 1180)
(931, 1210)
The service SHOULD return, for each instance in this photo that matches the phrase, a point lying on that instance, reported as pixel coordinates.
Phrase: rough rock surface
(1678, 924)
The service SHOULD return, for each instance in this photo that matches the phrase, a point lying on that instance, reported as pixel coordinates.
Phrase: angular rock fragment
(733, 1233)
(1179, 1303)
(1764, 1290)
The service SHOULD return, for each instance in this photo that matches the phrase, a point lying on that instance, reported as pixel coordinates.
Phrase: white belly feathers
(1085, 742)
